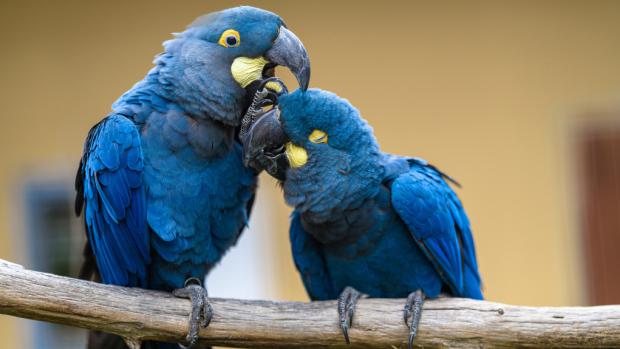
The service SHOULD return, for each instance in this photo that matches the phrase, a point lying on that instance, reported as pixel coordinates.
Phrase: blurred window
(54, 241)
(599, 152)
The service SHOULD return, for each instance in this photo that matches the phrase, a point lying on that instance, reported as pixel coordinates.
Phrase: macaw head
(212, 67)
(317, 144)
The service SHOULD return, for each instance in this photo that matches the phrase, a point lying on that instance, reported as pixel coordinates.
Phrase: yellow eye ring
(230, 38)
(318, 136)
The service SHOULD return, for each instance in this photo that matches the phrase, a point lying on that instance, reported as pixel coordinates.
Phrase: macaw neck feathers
(191, 77)
(356, 225)
(344, 211)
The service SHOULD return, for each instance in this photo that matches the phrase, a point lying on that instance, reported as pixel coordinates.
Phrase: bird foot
(412, 314)
(346, 309)
(133, 343)
(201, 313)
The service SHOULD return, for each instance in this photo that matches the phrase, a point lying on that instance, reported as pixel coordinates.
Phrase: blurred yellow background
(491, 92)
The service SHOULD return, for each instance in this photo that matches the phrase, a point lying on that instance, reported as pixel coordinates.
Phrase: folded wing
(438, 223)
(111, 191)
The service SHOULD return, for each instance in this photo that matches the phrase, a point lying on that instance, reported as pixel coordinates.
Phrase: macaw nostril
(274, 150)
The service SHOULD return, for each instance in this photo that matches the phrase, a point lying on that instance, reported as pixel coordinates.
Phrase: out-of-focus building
(518, 100)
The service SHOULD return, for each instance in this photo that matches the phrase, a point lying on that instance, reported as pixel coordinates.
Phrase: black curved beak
(264, 145)
(288, 51)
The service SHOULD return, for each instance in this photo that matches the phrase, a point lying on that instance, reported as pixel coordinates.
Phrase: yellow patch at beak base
(247, 70)
(297, 156)
(274, 86)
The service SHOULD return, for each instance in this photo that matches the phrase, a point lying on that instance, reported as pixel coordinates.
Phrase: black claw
(201, 313)
(346, 309)
(345, 332)
(208, 314)
(412, 314)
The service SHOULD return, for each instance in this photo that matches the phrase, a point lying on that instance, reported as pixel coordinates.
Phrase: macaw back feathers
(113, 196)
(439, 225)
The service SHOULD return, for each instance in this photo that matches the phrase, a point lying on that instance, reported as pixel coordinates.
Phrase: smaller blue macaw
(386, 225)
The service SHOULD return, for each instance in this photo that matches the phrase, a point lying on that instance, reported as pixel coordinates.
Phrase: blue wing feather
(310, 263)
(114, 197)
(436, 219)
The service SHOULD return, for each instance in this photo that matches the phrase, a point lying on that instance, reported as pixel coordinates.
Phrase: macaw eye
(318, 136)
(230, 38)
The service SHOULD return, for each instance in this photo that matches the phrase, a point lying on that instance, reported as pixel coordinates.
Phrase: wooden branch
(139, 314)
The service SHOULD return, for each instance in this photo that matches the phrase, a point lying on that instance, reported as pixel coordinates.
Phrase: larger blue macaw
(161, 180)
(386, 225)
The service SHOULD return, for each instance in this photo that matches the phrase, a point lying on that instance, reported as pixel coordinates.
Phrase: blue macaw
(161, 180)
(364, 222)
